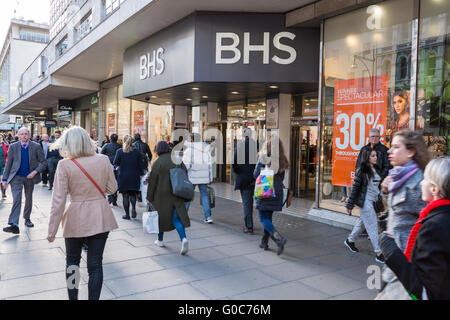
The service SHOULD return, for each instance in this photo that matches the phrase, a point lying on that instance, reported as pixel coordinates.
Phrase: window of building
(124, 114)
(61, 47)
(433, 86)
(111, 102)
(362, 80)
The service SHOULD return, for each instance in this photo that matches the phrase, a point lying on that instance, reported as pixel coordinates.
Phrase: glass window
(367, 62)
(139, 110)
(123, 115)
(159, 124)
(433, 86)
(111, 110)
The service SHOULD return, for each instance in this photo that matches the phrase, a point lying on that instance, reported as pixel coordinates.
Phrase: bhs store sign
(236, 53)
(152, 64)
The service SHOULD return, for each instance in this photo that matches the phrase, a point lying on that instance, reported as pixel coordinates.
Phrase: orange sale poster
(138, 122)
(359, 105)
(111, 123)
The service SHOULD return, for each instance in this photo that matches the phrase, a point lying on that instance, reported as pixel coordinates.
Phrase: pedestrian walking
(198, 161)
(266, 206)
(45, 144)
(110, 150)
(365, 191)
(24, 164)
(244, 163)
(144, 149)
(424, 267)
(382, 163)
(86, 177)
(105, 141)
(130, 164)
(4, 146)
(409, 156)
(53, 158)
(172, 211)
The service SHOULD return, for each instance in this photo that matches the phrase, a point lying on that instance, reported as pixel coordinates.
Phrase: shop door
(304, 156)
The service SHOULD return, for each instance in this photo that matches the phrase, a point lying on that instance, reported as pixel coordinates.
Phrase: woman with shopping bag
(172, 213)
(269, 174)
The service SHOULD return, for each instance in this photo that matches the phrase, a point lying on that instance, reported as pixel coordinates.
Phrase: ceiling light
(195, 88)
(234, 92)
(205, 97)
(168, 102)
(153, 97)
(188, 99)
(273, 87)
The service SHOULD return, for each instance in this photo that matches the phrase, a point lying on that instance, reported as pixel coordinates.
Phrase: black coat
(131, 168)
(383, 161)
(271, 204)
(359, 189)
(110, 149)
(244, 179)
(430, 258)
(145, 151)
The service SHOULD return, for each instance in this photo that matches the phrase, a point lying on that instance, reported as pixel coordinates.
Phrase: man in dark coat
(53, 158)
(143, 148)
(110, 149)
(244, 162)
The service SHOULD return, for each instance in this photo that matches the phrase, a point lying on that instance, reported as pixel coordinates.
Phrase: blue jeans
(266, 220)
(205, 199)
(177, 224)
(247, 203)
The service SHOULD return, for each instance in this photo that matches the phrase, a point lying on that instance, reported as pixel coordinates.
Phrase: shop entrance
(303, 160)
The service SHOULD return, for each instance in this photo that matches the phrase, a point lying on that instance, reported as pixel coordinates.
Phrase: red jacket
(5, 148)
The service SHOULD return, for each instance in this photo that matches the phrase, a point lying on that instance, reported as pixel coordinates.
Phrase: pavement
(222, 262)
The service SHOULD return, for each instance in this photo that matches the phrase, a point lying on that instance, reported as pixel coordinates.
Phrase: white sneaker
(159, 243)
(208, 220)
(184, 246)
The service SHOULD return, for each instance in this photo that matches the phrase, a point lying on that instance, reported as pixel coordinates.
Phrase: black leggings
(96, 245)
(129, 196)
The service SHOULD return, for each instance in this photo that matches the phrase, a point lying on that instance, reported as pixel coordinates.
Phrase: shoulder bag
(89, 177)
(181, 186)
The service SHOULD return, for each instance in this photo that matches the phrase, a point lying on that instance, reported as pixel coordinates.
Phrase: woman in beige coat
(88, 218)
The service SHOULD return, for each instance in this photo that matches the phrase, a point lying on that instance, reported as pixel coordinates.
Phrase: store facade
(222, 72)
(384, 66)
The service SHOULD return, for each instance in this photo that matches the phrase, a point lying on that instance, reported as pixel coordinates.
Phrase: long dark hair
(365, 166)
(402, 94)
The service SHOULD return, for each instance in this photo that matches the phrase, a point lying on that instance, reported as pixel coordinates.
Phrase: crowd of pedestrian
(414, 248)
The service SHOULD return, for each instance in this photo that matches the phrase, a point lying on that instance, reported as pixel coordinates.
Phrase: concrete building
(24, 41)
(310, 69)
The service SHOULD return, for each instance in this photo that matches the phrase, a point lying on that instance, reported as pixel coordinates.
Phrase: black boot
(280, 241)
(265, 241)
(126, 216)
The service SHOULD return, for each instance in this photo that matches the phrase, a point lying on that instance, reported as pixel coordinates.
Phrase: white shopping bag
(150, 220)
(143, 189)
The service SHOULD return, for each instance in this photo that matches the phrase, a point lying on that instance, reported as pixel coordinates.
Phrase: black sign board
(51, 123)
(65, 105)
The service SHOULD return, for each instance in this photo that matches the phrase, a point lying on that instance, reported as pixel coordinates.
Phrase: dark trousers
(18, 185)
(127, 197)
(52, 165)
(247, 203)
(44, 176)
(96, 245)
(112, 198)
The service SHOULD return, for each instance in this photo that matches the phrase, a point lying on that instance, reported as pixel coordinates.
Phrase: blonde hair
(127, 144)
(265, 153)
(438, 173)
(75, 142)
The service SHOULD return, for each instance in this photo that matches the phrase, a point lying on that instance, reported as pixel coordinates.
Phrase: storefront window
(433, 86)
(138, 118)
(367, 70)
(159, 124)
(123, 115)
(111, 110)
(94, 123)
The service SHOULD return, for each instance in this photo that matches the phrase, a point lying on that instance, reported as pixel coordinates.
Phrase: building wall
(23, 53)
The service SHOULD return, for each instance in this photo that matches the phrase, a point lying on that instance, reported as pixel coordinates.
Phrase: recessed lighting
(168, 102)
(195, 88)
(189, 99)
(234, 92)
(153, 97)
(273, 87)
(205, 97)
